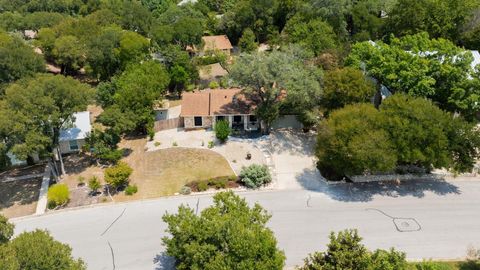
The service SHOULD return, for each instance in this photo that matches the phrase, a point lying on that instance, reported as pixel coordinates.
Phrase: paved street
(440, 220)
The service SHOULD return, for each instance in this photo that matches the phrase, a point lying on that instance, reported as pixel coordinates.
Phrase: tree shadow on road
(311, 180)
(164, 262)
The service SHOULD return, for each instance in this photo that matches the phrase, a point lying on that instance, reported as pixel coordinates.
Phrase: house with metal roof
(72, 138)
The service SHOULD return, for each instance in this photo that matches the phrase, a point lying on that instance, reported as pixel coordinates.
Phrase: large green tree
(135, 92)
(314, 35)
(351, 142)
(275, 79)
(227, 235)
(360, 139)
(422, 67)
(345, 86)
(17, 59)
(33, 111)
(345, 251)
(440, 18)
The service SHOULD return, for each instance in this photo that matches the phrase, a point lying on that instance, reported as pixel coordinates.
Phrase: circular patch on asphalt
(406, 224)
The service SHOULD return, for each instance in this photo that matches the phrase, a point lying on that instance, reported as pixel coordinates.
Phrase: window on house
(198, 121)
(252, 118)
(73, 145)
(220, 118)
(237, 119)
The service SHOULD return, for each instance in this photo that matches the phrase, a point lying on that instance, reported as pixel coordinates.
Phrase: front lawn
(164, 172)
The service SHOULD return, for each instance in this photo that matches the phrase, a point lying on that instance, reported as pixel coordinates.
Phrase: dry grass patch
(164, 172)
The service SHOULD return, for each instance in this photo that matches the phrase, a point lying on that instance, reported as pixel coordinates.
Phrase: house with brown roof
(211, 44)
(201, 109)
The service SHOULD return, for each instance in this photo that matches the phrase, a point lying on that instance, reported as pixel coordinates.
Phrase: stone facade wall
(394, 177)
(189, 122)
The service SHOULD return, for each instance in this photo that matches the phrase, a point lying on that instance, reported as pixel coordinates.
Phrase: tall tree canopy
(227, 235)
(33, 111)
(275, 79)
(424, 67)
(359, 139)
(440, 18)
(134, 93)
(17, 59)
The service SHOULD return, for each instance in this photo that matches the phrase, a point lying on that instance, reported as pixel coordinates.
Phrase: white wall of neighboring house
(72, 139)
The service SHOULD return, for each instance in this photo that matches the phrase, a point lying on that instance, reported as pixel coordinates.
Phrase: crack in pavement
(111, 224)
(113, 254)
(401, 224)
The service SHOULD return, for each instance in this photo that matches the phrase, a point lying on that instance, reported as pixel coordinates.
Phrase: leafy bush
(185, 190)
(222, 130)
(58, 195)
(94, 184)
(255, 175)
(202, 186)
(175, 144)
(157, 144)
(211, 144)
(6, 230)
(131, 189)
(117, 175)
(213, 85)
(218, 183)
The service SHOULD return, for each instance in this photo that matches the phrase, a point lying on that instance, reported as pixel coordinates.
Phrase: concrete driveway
(294, 159)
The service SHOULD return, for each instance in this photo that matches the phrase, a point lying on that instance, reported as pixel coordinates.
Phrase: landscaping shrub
(117, 175)
(255, 175)
(222, 130)
(211, 144)
(131, 189)
(430, 265)
(213, 85)
(81, 181)
(202, 186)
(218, 183)
(94, 184)
(185, 190)
(58, 195)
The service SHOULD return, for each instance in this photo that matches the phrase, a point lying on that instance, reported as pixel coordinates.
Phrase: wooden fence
(168, 124)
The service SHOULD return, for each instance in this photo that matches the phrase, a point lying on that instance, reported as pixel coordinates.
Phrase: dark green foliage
(345, 251)
(440, 18)
(222, 130)
(37, 250)
(247, 41)
(226, 235)
(345, 86)
(135, 92)
(266, 77)
(6, 230)
(255, 176)
(17, 59)
(351, 142)
(423, 67)
(358, 139)
(34, 110)
(103, 146)
(314, 35)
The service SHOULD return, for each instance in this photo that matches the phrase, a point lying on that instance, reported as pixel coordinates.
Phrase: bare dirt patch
(19, 197)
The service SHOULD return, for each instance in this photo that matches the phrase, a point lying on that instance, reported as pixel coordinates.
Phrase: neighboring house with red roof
(211, 44)
(201, 109)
